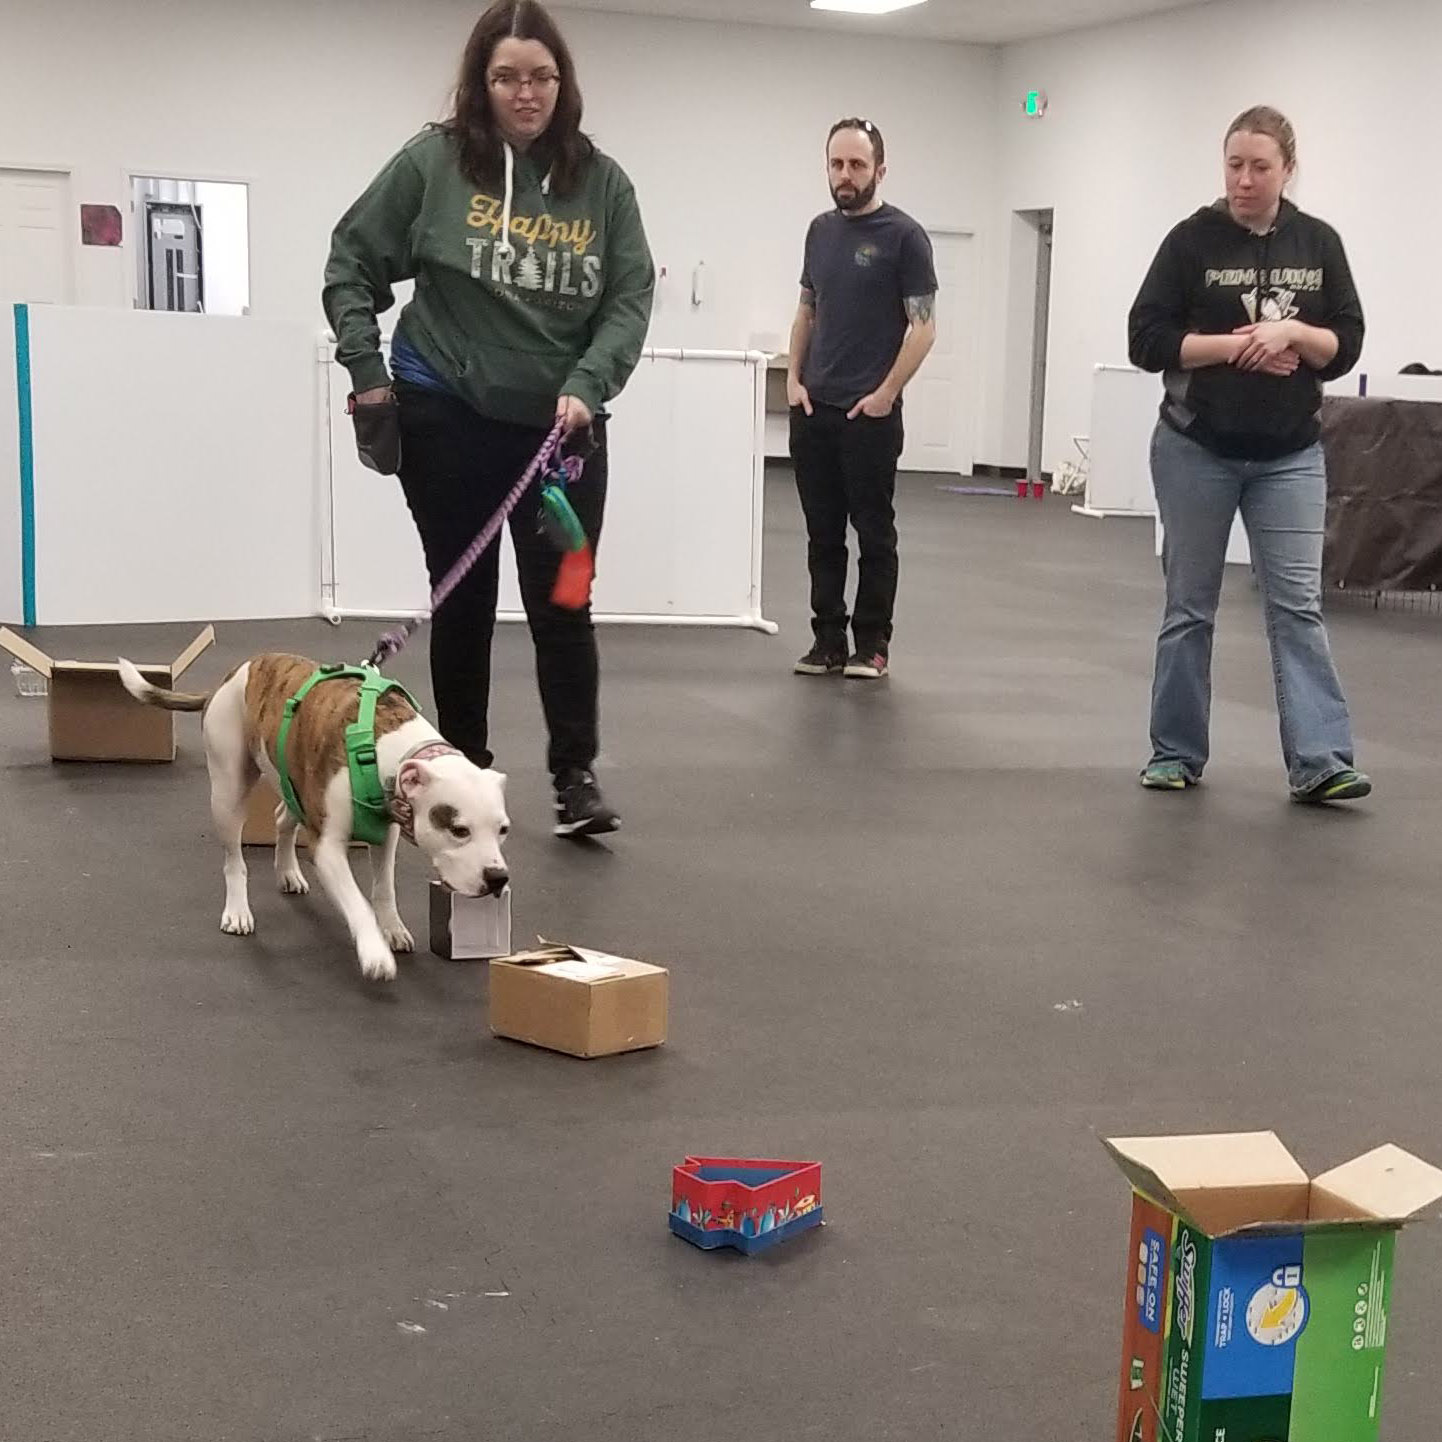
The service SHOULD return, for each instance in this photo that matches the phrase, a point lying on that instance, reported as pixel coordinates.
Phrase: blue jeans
(1283, 504)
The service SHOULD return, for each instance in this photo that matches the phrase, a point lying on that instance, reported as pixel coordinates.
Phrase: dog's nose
(496, 879)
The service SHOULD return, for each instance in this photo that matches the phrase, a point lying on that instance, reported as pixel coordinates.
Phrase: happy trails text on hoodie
(522, 295)
(1204, 281)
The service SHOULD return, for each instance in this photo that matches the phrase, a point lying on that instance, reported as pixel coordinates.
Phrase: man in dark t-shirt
(865, 324)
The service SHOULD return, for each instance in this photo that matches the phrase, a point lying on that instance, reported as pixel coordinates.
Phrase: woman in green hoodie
(532, 299)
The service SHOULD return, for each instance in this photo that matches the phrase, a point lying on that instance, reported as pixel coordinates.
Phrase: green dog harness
(371, 817)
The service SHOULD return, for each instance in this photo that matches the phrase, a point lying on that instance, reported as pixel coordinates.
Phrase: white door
(34, 236)
(939, 400)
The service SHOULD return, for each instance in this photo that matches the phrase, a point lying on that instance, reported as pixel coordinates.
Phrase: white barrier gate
(682, 539)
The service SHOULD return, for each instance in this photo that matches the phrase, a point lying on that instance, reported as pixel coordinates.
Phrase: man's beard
(861, 198)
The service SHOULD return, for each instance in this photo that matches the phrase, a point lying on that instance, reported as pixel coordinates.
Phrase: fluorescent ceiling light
(865, 7)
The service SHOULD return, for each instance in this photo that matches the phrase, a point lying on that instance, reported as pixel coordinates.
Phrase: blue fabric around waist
(408, 364)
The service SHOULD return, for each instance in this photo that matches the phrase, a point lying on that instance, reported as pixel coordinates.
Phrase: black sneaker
(867, 666)
(822, 661)
(581, 810)
(1348, 785)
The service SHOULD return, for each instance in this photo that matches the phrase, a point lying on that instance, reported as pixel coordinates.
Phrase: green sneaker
(1346, 785)
(1167, 776)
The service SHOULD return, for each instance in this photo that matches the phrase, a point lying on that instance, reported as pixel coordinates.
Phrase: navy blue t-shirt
(862, 270)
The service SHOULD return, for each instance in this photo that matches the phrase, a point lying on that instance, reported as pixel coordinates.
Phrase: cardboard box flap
(1386, 1185)
(22, 650)
(183, 662)
(37, 660)
(579, 963)
(1220, 1183)
(151, 670)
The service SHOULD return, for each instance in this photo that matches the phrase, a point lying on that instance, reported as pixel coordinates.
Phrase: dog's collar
(402, 812)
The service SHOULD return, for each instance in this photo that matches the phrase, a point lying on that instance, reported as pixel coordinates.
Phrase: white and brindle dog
(454, 811)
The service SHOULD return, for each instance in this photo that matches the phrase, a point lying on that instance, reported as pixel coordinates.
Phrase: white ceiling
(981, 22)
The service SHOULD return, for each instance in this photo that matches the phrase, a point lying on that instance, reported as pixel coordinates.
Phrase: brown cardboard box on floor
(93, 717)
(259, 829)
(584, 1003)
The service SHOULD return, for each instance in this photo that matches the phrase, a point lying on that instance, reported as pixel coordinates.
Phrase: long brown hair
(473, 125)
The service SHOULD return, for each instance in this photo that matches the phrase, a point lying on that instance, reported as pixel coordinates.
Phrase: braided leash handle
(392, 643)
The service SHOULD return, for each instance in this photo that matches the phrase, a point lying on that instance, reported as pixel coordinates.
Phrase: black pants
(846, 471)
(456, 468)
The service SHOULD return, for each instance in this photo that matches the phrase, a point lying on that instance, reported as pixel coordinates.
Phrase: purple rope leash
(392, 643)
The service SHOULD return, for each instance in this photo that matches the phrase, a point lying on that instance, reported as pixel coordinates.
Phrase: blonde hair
(1264, 120)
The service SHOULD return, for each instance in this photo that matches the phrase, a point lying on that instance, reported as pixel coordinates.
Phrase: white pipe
(676, 353)
(749, 357)
(336, 614)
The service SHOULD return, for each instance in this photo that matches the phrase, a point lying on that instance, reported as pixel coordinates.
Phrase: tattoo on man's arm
(920, 308)
(808, 299)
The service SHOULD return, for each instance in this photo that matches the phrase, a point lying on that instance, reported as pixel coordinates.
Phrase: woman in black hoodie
(1248, 308)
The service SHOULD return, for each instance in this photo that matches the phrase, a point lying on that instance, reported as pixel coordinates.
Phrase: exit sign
(1035, 104)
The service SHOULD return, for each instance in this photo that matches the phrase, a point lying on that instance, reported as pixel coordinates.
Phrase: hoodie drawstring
(505, 247)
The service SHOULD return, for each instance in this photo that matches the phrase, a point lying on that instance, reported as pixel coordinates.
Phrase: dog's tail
(151, 695)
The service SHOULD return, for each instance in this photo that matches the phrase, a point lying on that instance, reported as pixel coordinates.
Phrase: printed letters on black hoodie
(1204, 281)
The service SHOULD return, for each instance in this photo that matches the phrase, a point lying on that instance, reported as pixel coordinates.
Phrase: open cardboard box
(93, 717)
(584, 1003)
(1257, 1297)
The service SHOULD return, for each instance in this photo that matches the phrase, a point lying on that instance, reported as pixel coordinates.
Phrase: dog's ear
(412, 779)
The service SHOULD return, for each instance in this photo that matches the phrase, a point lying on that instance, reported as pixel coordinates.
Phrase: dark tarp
(1384, 494)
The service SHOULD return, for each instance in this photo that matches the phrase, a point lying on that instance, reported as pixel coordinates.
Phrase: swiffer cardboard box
(583, 1003)
(1257, 1299)
(93, 717)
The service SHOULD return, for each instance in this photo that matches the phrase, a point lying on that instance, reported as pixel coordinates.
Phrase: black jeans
(846, 471)
(456, 468)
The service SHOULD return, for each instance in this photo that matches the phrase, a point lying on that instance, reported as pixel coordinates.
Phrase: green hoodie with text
(562, 311)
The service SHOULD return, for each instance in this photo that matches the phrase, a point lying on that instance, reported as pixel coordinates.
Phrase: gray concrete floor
(236, 1178)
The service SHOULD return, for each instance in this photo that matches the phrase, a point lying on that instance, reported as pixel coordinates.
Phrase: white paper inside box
(577, 1001)
(470, 928)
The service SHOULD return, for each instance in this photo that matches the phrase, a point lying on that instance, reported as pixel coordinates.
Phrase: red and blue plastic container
(750, 1205)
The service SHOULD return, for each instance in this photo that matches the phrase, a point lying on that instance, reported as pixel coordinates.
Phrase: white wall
(224, 215)
(720, 126)
(723, 128)
(156, 493)
(1132, 143)
(11, 560)
(1023, 243)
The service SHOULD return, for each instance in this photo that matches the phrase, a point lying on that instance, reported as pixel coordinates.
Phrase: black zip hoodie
(1204, 281)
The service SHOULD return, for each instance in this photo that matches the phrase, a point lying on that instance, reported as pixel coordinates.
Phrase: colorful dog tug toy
(563, 527)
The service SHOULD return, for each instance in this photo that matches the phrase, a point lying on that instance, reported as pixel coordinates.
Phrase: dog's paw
(378, 965)
(293, 883)
(238, 921)
(397, 934)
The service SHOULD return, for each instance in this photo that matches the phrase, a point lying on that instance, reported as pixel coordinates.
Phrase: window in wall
(192, 245)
